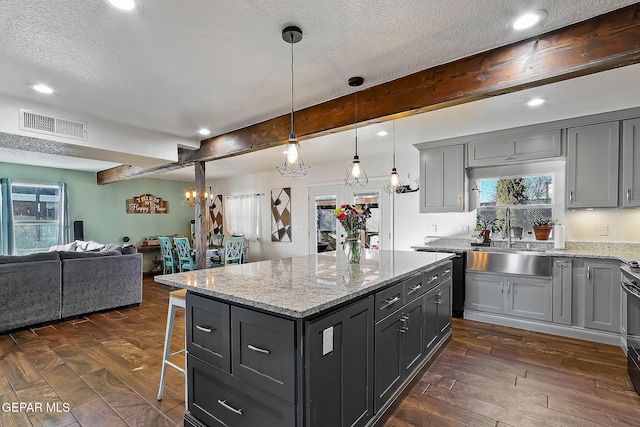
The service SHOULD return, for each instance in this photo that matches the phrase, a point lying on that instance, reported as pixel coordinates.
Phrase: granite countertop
(635, 272)
(302, 286)
(621, 252)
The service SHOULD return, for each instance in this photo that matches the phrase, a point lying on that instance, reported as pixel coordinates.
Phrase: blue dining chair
(233, 250)
(185, 260)
(168, 258)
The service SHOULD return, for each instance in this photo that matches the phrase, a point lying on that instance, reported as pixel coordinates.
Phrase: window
(34, 217)
(243, 217)
(527, 197)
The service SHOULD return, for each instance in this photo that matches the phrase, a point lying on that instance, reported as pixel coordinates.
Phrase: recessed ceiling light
(204, 132)
(42, 89)
(529, 19)
(130, 6)
(382, 133)
(536, 101)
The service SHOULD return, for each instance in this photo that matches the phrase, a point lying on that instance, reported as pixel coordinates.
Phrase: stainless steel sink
(509, 261)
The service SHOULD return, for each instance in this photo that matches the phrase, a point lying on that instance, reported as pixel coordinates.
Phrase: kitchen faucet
(507, 227)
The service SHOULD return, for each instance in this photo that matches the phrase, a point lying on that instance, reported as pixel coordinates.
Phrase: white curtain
(242, 215)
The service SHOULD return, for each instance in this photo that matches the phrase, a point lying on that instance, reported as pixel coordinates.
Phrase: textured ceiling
(180, 65)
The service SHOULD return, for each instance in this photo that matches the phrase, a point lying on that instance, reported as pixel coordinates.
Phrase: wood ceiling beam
(602, 43)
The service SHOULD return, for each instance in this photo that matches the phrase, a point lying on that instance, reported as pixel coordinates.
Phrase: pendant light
(356, 176)
(394, 184)
(293, 161)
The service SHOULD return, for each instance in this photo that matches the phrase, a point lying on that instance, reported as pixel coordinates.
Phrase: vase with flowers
(353, 219)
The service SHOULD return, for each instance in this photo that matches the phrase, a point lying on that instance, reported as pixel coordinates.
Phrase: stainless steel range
(631, 285)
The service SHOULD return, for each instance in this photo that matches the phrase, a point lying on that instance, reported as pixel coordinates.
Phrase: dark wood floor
(106, 367)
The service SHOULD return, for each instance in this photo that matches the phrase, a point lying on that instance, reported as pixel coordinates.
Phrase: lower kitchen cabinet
(602, 295)
(340, 360)
(562, 291)
(528, 297)
(437, 319)
(221, 399)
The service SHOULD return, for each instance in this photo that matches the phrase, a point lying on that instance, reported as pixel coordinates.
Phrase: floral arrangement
(494, 225)
(353, 219)
(543, 221)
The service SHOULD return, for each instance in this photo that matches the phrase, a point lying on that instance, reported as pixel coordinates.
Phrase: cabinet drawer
(208, 331)
(437, 275)
(220, 399)
(389, 300)
(414, 287)
(263, 351)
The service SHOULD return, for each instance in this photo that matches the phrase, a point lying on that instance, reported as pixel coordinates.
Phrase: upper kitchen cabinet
(631, 163)
(443, 180)
(592, 165)
(501, 151)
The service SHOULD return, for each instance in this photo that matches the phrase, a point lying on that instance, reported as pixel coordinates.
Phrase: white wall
(148, 148)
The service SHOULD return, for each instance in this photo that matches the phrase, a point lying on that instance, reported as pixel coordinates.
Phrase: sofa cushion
(89, 245)
(87, 254)
(129, 249)
(112, 247)
(39, 256)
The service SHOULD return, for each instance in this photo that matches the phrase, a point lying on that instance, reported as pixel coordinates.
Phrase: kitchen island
(311, 340)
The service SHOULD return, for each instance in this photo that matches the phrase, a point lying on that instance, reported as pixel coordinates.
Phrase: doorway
(326, 232)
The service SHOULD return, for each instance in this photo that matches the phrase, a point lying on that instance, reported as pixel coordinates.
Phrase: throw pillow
(68, 247)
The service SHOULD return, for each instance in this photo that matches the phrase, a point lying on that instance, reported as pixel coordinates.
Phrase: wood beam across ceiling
(602, 43)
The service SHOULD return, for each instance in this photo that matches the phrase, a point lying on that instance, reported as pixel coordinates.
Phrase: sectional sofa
(50, 286)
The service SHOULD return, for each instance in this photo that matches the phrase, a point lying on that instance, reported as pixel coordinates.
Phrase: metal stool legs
(176, 301)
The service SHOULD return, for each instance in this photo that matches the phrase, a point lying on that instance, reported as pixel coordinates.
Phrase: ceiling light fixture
(129, 6)
(293, 162)
(382, 133)
(529, 19)
(394, 184)
(42, 89)
(536, 101)
(204, 132)
(356, 176)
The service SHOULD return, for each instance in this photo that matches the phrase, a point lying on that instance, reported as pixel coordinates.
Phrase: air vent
(34, 122)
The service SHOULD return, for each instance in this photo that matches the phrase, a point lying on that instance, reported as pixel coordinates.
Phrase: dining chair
(168, 258)
(216, 239)
(185, 260)
(233, 250)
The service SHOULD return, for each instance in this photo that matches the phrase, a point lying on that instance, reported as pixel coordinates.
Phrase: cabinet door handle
(432, 278)
(508, 287)
(501, 287)
(258, 349)
(447, 271)
(628, 194)
(231, 408)
(413, 289)
(389, 302)
(588, 272)
(205, 329)
(571, 197)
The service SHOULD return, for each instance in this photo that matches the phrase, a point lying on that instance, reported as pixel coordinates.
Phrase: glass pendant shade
(293, 162)
(394, 183)
(356, 176)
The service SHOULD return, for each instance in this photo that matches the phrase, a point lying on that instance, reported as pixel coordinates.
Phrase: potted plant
(488, 226)
(542, 227)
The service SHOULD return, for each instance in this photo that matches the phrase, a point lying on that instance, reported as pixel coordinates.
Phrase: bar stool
(177, 299)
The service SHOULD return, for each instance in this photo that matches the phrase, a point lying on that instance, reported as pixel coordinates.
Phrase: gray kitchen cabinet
(340, 359)
(443, 318)
(562, 291)
(630, 163)
(443, 180)
(500, 151)
(602, 295)
(485, 292)
(437, 316)
(592, 165)
(522, 296)
(412, 331)
(208, 331)
(529, 297)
